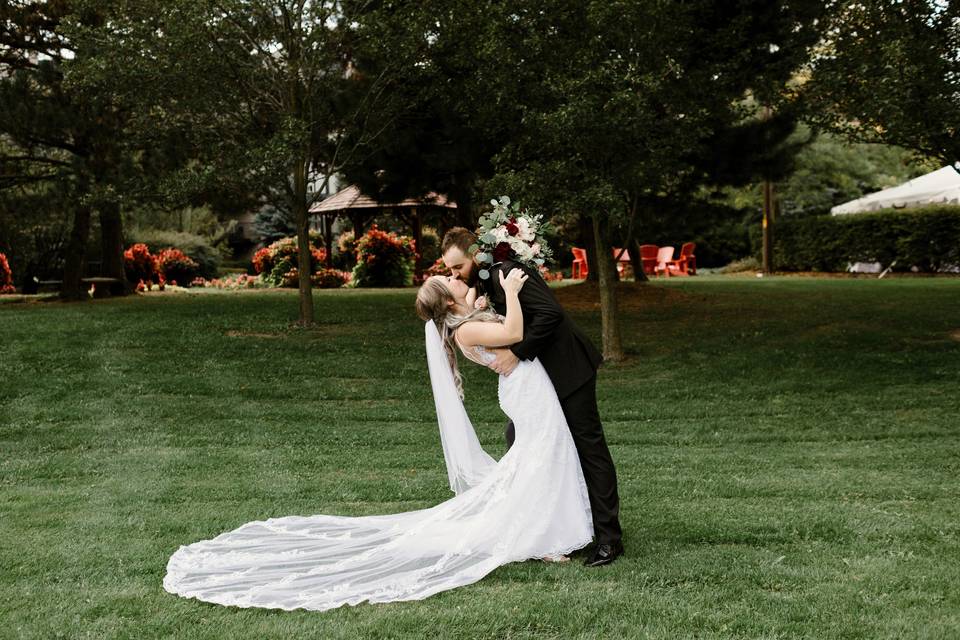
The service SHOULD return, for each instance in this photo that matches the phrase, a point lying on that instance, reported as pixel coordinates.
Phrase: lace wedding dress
(531, 504)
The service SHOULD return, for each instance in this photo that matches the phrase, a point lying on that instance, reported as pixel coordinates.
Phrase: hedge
(927, 238)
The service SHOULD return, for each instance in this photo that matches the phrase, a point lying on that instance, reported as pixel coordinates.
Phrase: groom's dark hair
(458, 237)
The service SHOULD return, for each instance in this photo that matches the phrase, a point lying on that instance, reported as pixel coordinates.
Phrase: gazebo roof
(351, 198)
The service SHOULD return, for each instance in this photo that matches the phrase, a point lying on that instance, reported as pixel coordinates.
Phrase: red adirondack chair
(686, 262)
(664, 258)
(648, 258)
(580, 268)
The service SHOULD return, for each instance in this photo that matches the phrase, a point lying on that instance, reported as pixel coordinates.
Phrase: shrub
(926, 238)
(277, 264)
(435, 269)
(263, 260)
(428, 249)
(6, 276)
(176, 266)
(196, 247)
(346, 257)
(749, 263)
(384, 260)
(139, 264)
(330, 278)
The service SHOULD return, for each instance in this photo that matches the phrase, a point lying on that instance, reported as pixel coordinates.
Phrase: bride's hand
(514, 280)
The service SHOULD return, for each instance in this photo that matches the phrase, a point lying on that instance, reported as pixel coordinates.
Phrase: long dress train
(531, 504)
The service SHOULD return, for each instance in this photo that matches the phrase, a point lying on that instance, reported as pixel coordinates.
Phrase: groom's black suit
(571, 361)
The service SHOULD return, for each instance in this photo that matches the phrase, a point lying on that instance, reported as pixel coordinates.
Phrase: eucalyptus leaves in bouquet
(510, 232)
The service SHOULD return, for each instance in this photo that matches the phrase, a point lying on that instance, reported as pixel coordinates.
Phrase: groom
(571, 362)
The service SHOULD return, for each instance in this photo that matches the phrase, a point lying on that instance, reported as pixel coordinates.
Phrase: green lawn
(788, 453)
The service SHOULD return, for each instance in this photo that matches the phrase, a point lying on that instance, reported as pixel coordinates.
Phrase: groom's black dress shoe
(604, 553)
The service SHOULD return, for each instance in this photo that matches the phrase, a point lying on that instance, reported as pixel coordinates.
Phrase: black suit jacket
(548, 332)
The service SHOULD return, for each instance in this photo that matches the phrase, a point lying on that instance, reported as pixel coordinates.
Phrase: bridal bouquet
(511, 233)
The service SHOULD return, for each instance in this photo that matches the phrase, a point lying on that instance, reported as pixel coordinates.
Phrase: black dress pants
(583, 417)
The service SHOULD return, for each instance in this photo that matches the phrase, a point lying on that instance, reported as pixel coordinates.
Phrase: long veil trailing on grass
(467, 462)
(531, 504)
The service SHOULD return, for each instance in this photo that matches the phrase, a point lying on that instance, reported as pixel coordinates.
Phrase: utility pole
(767, 227)
(767, 216)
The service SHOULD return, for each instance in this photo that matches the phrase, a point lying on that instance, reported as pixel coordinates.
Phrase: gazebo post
(358, 221)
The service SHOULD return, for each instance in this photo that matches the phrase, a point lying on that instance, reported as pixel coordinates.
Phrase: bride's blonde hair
(435, 304)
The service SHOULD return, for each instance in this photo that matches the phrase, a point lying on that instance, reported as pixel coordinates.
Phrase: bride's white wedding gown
(531, 504)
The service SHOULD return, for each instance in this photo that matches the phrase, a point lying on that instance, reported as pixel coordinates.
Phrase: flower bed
(277, 265)
(6, 276)
(239, 281)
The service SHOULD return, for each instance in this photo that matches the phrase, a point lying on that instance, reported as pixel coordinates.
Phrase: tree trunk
(111, 246)
(71, 288)
(590, 246)
(303, 243)
(639, 275)
(609, 311)
(464, 199)
(768, 265)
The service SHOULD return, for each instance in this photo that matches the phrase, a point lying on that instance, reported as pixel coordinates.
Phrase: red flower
(512, 228)
(6, 276)
(139, 263)
(501, 252)
(263, 260)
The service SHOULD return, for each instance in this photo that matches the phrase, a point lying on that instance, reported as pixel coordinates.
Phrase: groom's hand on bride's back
(505, 362)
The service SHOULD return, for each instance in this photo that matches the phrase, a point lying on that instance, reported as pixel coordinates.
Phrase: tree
(831, 170)
(67, 148)
(266, 92)
(889, 71)
(454, 106)
(632, 99)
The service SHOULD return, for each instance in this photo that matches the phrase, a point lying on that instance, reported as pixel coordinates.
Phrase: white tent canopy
(938, 187)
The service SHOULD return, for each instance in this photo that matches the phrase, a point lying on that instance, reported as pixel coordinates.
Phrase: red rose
(512, 229)
(501, 252)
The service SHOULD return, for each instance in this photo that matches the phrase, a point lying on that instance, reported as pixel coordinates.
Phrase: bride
(532, 504)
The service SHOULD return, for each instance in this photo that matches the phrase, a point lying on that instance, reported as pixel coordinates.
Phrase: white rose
(524, 251)
(525, 233)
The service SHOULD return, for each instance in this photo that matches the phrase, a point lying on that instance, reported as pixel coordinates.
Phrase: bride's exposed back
(531, 504)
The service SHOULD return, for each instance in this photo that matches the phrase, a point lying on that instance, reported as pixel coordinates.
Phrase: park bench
(102, 287)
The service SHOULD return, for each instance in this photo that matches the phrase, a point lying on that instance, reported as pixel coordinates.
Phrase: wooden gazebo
(360, 209)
